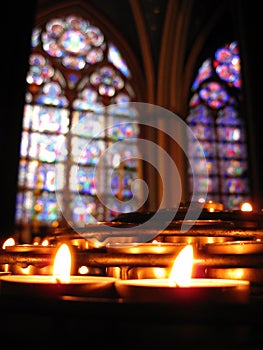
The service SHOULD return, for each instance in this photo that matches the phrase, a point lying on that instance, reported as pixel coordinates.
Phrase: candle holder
(204, 291)
(248, 249)
(49, 287)
(30, 269)
(235, 247)
(198, 241)
(128, 272)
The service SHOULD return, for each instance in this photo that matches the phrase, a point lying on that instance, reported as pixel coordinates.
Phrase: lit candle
(254, 274)
(213, 206)
(7, 243)
(60, 283)
(235, 247)
(246, 206)
(180, 287)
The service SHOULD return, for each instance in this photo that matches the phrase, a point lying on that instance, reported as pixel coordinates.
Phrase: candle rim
(167, 283)
(45, 279)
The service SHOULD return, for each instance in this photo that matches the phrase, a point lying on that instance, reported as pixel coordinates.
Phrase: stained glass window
(215, 119)
(78, 84)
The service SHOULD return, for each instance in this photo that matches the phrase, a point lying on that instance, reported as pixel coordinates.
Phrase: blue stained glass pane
(49, 207)
(120, 129)
(88, 100)
(203, 132)
(200, 149)
(35, 37)
(52, 96)
(119, 207)
(120, 183)
(57, 128)
(87, 152)
(48, 119)
(228, 116)
(72, 80)
(85, 210)
(215, 105)
(46, 148)
(204, 72)
(76, 63)
(214, 94)
(127, 153)
(25, 203)
(107, 80)
(88, 125)
(200, 114)
(235, 185)
(227, 64)
(40, 70)
(83, 180)
(114, 56)
(122, 109)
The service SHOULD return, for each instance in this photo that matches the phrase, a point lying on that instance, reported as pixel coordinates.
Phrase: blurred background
(70, 63)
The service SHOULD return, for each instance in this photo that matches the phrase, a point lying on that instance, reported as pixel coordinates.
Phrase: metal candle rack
(225, 226)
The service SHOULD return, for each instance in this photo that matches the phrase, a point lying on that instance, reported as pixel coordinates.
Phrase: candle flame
(8, 243)
(45, 242)
(62, 264)
(246, 207)
(181, 271)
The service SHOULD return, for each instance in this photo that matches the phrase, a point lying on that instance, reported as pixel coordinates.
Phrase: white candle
(36, 286)
(61, 283)
(181, 288)
(200, 290)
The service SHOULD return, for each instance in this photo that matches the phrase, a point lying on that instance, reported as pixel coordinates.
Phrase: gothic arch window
(78, 83)
(215, 119)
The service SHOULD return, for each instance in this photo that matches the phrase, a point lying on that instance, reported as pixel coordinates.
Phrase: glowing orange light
(246, 206)
(83, 270)
(181, 271)
(45, 242)
(8, 243)
(62, 264)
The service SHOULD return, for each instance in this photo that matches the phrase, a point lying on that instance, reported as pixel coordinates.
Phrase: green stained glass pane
(233, 168)
(234, 201)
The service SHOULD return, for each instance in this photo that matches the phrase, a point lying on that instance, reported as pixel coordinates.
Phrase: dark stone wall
(16, 26)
